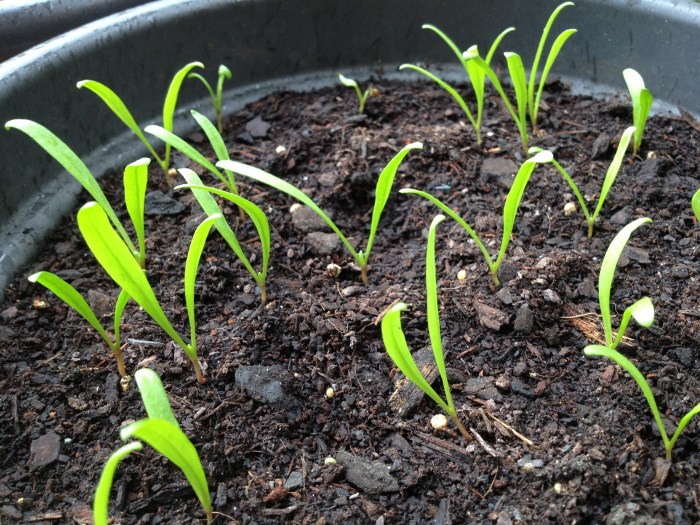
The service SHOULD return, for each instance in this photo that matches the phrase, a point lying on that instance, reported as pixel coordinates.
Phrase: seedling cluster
(125, 260)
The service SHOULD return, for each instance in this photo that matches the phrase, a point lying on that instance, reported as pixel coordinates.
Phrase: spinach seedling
(217, 144)
(216, 96)
(641, 104)
(631, 369)
(510, 210)
(642, 310)
(111, 252)
(69, 295)
(695, 204)
(135, 178)
(203, 195)
(361, 96)
(383, 189)
(475, 74)
(610, 177)
(162, 432)
(395, 341)
(113, 102)
(527, 97)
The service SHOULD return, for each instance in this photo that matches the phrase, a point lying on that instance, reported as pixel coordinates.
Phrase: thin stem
(590, 228)
(263, 291)
(461, 428)
(198, 371)
(494, 275)
(364, 274)
(120, 361)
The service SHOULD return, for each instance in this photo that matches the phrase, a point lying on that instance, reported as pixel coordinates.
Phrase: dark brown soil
(566, 439)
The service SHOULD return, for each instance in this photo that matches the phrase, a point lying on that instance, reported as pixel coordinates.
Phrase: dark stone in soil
(371, 477)
(157, 203)
(45, 450)
(264, 383)
(524, 320)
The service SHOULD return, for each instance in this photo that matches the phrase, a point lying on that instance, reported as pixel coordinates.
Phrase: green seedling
(510, 210)
(209, 205)
(610, 177)
(113, 102)
(216, 96)
(474, 73)
(695, 203)
(642, 310)
(628, 366)
(75, 300)
(361, 96)
(641, 104)
(183, 147)
(162, 432)
(383, 189)
(135, 178)
(527, 95)
(111, 252)
(395, 341)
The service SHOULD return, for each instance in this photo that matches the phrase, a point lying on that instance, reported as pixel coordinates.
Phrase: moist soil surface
(561, 438)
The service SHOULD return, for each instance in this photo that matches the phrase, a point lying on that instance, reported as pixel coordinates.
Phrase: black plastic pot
(269, 44)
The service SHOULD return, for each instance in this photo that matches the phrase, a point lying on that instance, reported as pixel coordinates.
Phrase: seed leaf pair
(510, 209)
(395, 341)
(162, 432)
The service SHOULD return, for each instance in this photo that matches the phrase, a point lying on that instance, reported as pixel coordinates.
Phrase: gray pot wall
(270, 44)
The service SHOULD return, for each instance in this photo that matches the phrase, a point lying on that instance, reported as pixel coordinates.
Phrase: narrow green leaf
(626, 364)
(433, 311)
(171, 102)
(642, 311)
(154, 397)
(517, 76)
(551, 57)
(183, 147)
(396, 347)
(173, 92)
(122, 299)
(496, 43)
(111, 252)
(100, 507)
(383, 190)
(194, 254)
(113, 102)
(607, 273)
(695, 204)
(614, 169)
(266, 178)
(72, 164)
(510, 209)
(172, 443)
(348, 82)
(642, 100)
(472, 55)
(681, 426)
(540, 49)
(72, 298)
(202, 193)
(256, 214)
(135, 183)
(207, 85)
(444, 85)
(217, 144)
